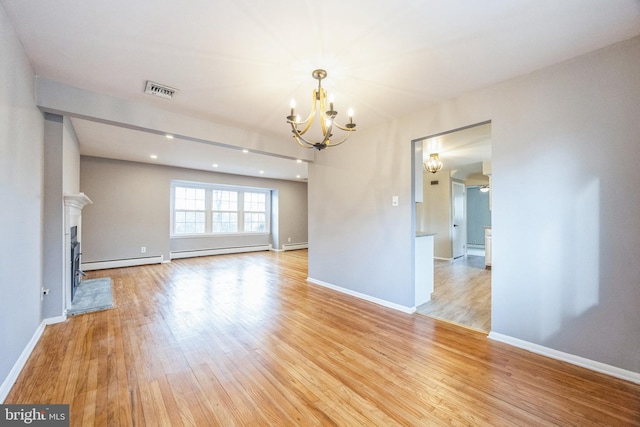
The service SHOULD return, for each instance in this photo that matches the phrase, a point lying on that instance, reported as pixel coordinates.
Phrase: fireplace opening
(75, 261)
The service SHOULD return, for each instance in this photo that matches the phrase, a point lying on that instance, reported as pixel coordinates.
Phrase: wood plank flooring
(462, 293)
(244, 340)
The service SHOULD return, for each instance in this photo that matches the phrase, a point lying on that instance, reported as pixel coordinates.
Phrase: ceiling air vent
(157, 89)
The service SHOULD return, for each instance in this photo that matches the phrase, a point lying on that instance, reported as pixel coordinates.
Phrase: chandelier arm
(301, 140)
(301, 122)
(309, 119)
(308, 122)
(342, 140)
(344, 128)
(326, 142)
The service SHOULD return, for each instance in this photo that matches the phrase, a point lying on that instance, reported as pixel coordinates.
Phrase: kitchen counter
(424, 233)
(423, 286)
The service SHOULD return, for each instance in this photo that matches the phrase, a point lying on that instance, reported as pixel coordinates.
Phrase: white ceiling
(462, 151)
(103, 140)
(240, 62)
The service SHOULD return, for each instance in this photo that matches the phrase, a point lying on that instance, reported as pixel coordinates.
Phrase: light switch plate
(394, 201)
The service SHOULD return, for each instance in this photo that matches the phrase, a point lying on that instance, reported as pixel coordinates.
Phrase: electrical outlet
(143, 250)
(289, 240)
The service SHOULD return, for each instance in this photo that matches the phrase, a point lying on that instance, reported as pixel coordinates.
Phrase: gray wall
(53, 213)
(565, 243)
(61, 175)
(70, 158)
(357, 240)
(565, 270)
(131, 207)
(21, 189)
(435, 213)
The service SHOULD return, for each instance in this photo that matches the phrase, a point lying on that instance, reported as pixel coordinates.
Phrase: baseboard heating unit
(294, 246)
(117, 263)
(219, 251)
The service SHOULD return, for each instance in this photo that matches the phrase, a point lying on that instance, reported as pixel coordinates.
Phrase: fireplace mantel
(73, 204)
(77, 201)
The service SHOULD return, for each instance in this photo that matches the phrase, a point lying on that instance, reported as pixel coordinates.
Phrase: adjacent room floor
(462, 293)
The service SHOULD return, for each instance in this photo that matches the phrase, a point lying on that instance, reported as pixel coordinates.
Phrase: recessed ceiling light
(299, 161)
(245, 151)
(215, 165)
(297, 176)
(261, 171)
(168, 136)
(153, 156)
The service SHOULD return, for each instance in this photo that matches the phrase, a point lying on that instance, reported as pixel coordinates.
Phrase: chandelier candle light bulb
(327, 118)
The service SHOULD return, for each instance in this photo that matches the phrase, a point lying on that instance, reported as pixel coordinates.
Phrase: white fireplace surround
(73, 204)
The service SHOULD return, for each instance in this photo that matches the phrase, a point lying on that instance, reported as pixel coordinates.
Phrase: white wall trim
(294, 246)
(603, 368)
(54, 320)
(443, 259)
(220, 251)
(8, 382)
(131, 262)
(384, 303)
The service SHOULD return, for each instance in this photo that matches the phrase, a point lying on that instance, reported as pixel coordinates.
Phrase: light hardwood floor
(462, 293)
(245, 340)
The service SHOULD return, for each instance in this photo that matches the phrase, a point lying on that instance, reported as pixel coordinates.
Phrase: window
(225, 211)
(189, 210)
(207, 209)
(255, 212)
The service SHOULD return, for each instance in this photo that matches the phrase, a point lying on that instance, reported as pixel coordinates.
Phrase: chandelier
(433, 164)
(327, 118)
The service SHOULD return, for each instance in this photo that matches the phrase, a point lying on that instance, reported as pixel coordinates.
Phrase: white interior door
(459, 233)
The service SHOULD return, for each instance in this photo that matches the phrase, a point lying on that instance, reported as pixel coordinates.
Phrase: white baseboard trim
(8, 382)
(384, 303)
(220, 251)
(603, 368)
(130, 262)
(443, 259)
(54, 320)
(294, 246)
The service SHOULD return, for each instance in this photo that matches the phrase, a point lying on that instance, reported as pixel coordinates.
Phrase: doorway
(458, 206)
(462, 283)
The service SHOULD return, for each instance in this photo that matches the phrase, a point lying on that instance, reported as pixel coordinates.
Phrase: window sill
(209, 235)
